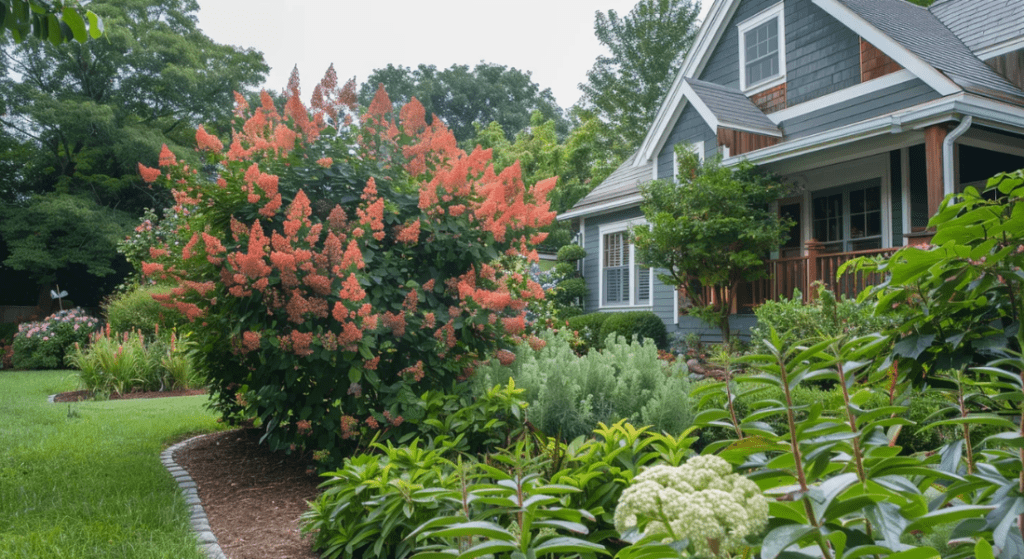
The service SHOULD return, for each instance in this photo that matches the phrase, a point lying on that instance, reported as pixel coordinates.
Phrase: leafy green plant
(587, 328)
(137, 311)
(570, 394)
(645, 325)
(825, 317)
(44, 344)
(508, 512)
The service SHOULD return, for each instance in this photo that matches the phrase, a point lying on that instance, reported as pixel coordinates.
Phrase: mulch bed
(79, 395)
(252, 497)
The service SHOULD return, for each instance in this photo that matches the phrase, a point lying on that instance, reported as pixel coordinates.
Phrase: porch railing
(801, 272)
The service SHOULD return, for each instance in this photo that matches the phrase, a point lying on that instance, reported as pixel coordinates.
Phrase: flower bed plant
(44, 344)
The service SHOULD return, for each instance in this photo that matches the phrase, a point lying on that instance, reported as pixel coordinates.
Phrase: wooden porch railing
(801, 272)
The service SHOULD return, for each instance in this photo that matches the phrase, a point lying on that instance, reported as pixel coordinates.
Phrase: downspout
(947, 154)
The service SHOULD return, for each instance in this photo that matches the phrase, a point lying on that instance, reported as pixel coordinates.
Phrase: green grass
(85, 479)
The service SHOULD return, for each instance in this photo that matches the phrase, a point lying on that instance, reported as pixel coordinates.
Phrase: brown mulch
(79, 395)
(252, 497)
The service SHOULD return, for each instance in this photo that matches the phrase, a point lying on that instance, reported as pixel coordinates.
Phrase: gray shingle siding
(822, 54)
(881, 102)
(690, 128)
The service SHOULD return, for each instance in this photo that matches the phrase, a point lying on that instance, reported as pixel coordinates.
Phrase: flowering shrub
(43, 345)
(701, 501)
(333, 274)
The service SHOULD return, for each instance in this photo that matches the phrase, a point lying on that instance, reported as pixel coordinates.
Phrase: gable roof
(987, 27)
(911, 35)
(620, 188)
(727, 107)
(920, 32)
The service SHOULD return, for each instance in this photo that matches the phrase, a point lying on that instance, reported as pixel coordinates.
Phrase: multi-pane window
(762, 50)
(616, 267)
(624, 282)
(761, 45)
(849, 221)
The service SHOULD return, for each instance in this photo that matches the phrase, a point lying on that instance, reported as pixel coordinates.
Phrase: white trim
(842, 96)
(618, 227)
(774, 12)
(711, 119)
(928, 73)
(710, 34)
(905, 195)
(1006, 47)
(985, 111)
(583, 243)
(602, 208)
(948, 179)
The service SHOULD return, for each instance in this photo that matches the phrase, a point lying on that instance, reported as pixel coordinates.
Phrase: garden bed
(80, 395)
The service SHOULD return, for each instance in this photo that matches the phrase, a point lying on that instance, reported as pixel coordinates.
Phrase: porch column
(814, 249)
(933, 137)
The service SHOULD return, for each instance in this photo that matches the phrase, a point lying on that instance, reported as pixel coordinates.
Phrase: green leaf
(913, 345)
(916, 553)
(76, 23)
(489, 547)
(948, 515)
(566, 544)
(782, 537)
(95, 25)
(821, 496)
(475, 528)
(983, 550)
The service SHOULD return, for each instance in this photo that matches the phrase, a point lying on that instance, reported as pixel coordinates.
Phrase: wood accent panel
(1010, 66)
(770, 100)
(874, 63)
(933, 137)
(742, 142)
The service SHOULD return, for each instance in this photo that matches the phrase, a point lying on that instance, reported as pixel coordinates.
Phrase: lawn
(85, 479)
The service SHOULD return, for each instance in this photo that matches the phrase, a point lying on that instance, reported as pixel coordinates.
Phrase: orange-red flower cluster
(149, 174)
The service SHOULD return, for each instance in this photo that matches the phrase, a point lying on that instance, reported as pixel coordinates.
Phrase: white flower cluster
(702, 501)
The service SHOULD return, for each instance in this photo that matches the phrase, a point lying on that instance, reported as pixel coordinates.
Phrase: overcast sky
(553, 39)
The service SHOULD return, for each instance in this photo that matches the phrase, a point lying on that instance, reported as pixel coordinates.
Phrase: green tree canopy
(462, 96)
(80, 117)
(709, 233)
(624, 90)
(56, 21)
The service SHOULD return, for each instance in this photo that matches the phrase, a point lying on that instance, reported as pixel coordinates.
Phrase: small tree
(709, 232)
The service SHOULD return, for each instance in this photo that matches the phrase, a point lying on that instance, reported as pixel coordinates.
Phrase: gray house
(872, 110)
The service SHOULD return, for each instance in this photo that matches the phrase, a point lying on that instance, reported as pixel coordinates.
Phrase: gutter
(947, 154)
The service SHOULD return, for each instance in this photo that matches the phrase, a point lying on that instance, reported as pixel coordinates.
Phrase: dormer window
(763, 50)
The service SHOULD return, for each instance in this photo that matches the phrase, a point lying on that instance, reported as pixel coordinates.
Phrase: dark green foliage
(571, 253)
(462, 97)
(137, 311)
(823, 318)
(710, 232)
(625, 89)
(587, 328)
(645, 325)
(48, 21)
(7, 331)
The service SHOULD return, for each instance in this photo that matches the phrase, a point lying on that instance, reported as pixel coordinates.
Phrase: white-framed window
(623, 283)
(763, 50)
(696, 147)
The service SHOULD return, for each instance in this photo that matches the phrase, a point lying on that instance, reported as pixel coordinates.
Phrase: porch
(803, 272)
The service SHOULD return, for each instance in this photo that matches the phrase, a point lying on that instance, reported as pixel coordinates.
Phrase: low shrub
(644, 324)
(127, 362)
(569, 394)
(588, 329)
(138, 311)
(825, 317)
(44, 344)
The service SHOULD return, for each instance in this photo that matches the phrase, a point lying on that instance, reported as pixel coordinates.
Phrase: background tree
(56, 21)
(80, 117)
(625, 90)
(709, 233)
(461, 96)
